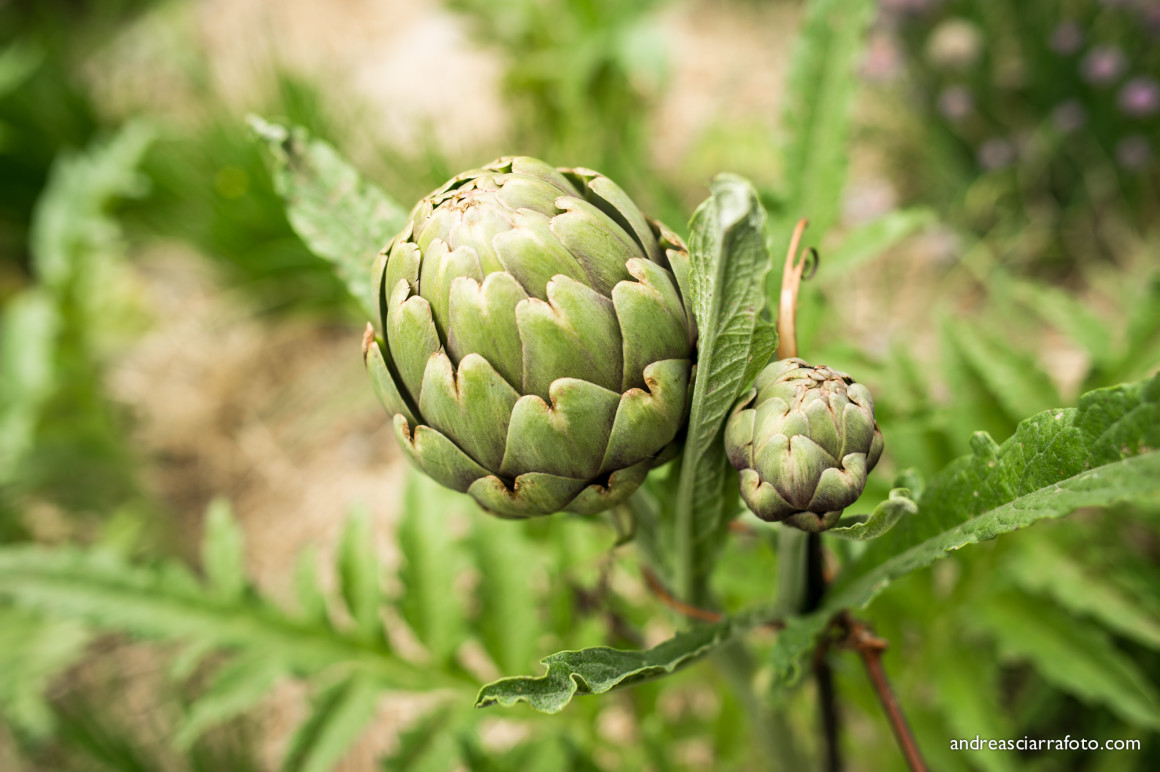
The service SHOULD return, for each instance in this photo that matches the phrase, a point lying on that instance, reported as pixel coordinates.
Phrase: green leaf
(312, 606)
(729, 264)
(29, 330)
(69, 222)
(1042, 569)
(432, 563)
(165, 601)
(33, 651)
(601, 669)
(423, 745)
(223, 556)
(1058, 462)
(822, 84)
(870, 240)
(1021, 388)
(343, 218)
(965, 690)
(235, 688)
(1076, 657)
(881, 520)
(762, 347)
(18, 60)
(339, 715)
(358, 577)
(1067, 314)
(794, 645)
(507, 623)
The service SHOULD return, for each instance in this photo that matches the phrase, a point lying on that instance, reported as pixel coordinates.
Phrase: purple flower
(1067, 38)
(1134, 152)
(1140, 97)
(1103, 65)
(1069, 116)
(995, 154)
(955, 103)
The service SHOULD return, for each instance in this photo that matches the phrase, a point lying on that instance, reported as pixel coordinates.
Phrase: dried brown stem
(684, 609)
(693, 612)
(861, 638)
(791, 280)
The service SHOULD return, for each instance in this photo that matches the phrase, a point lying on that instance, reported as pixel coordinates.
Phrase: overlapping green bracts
(537, 346)
(804, 440)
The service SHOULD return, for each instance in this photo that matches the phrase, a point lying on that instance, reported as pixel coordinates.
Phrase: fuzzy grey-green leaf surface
(729, 262)
(342, 217)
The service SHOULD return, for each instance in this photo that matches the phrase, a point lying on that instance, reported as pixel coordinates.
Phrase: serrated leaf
(1074, 656)
(601, 669)
(881, 520)
(338, 716)
(822, 83)
(423, 746)
(33, 651)
(223, 555)
(69, 222)
(729, 264)
(312, 606)
(1042, 569)
(167, 602)
(235, 688)
(794, 645)
(29, 329)
(1015, 383)
(1058, 462)
(870, 240)
(507, 623)
(432, 563)
(966, 693)
(358, 577)
(343, 218)
(1067, 314)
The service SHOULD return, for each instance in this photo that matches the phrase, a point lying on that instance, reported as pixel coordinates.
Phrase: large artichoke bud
(537, 345)
(804, 439)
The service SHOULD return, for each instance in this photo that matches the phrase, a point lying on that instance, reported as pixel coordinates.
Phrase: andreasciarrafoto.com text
(1068, 743)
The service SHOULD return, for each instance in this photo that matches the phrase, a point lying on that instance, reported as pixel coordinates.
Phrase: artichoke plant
(804, 440)
(537, 343)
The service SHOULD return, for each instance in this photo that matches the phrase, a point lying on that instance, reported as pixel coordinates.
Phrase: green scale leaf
(342, 218)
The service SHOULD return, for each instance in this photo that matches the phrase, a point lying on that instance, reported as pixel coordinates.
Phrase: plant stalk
(823, 673)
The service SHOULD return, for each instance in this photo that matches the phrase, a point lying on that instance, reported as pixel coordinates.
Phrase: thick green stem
(791, 570)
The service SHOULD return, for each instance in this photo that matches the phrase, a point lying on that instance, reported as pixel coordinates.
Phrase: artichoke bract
(804, 440)
(537, 343)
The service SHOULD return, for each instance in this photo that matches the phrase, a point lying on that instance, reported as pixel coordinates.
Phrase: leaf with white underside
(342, 217)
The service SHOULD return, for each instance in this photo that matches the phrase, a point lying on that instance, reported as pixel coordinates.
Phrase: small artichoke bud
(537, 348)
(804, 440)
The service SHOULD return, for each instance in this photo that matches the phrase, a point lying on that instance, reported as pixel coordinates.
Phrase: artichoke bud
(537, 344)
(804, 440)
